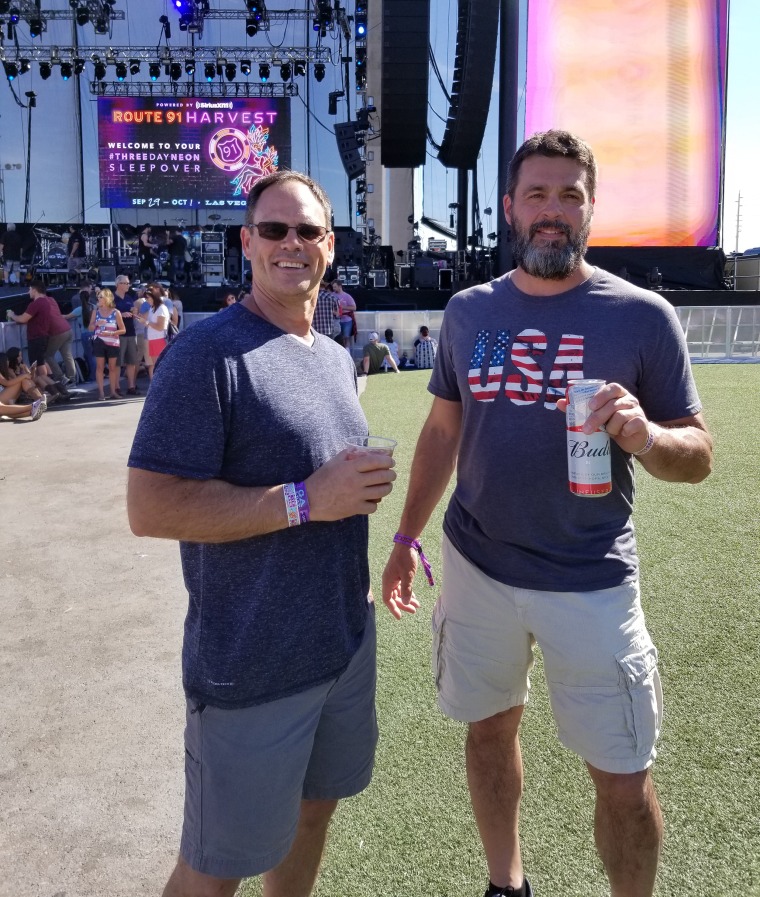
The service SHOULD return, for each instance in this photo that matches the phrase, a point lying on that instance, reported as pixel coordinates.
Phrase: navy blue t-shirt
(125, 305)
(235, 398)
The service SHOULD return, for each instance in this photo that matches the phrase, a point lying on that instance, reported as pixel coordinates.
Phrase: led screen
(643, 83)
(186, 153)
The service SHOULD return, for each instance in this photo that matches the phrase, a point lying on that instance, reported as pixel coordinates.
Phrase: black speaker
(404, 95)
(425, 275)
(348, 147)
(477, 30)
(445, 278)
(232, 267)
(348, 247)
(107, 275)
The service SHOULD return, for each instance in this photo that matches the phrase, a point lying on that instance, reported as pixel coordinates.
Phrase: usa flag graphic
(526, 387)
(487, 392)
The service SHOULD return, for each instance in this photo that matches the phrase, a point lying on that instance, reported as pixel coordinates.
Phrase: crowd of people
(121, 332)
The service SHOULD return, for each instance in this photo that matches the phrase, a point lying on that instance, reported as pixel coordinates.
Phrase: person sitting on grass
(375, 353)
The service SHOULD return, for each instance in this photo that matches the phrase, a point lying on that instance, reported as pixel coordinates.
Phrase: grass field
(412, 833)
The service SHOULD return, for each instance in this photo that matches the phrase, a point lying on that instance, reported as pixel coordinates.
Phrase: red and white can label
(588, 454)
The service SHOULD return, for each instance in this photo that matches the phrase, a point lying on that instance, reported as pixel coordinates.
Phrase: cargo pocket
(437, 625)
(643, 693)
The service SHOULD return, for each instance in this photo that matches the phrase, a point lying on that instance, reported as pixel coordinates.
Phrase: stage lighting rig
(166, 26)
(251, 28)
(134, 66)
(154, 71)
(299, 68)
(324, 18)
(230, 70)
(83, 15)
(360, 21)
(15, 15)
(319, 71)
(175, 71)
(32, 98)
(78, 65)
(264, 72)
(11, 70)
(209, 71)
(67, 70)
(245, 67)
(36, 26)
(23, 66)
(100, 70)
(46, 70)
(286, 71)
(189, 66)
(121, 71)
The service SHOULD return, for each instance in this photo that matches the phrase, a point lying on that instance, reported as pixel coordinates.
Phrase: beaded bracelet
(647, 445)
(417, 546)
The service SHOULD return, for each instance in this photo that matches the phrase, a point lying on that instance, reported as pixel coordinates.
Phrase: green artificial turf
(412, 833)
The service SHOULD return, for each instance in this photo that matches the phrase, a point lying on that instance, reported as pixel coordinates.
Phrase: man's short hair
(38, 285)
(283, 177)
(554, 143)
(122, 278)
(424, 331)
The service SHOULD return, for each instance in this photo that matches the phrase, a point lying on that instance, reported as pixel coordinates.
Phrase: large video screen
(187, 153)
(644, 84)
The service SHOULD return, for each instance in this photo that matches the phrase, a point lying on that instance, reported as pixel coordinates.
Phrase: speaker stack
(474, 63)
(404, 96)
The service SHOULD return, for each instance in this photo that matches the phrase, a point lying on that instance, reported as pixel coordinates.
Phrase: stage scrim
(184, 153)
(644, 84)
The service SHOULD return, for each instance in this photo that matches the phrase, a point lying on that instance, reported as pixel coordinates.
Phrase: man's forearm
(434, 463)
(201, 510)
(678, 454)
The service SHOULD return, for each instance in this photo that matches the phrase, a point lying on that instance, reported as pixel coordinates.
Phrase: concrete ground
(91, 702)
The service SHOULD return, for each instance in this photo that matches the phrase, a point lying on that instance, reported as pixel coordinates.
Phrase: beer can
(588, 455)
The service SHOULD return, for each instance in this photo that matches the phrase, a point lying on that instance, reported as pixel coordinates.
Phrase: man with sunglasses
(240, 455)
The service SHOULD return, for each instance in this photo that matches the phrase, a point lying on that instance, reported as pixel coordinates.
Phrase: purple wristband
(304, 510)
(417, 546)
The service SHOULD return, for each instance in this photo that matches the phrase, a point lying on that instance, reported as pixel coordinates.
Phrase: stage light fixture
(23, 66)
(32, 97)
(285, 71)
(230, 70)
(319, 71)
(67, 70)
(167, 28)
(209, 71)
(121, 71)
(78, 65)
(46, 70)
(15, 15)
(101, 25)
(100, 71)
(299, 67)
(11, 70)
(175, 71)
(189, 66)
(83, 15)
(5, 5)
(134, 66)
(245, 67)
(332, 100)
(251, 28)
(264, 72)
(36, 27)
(154, 70)
(360, 21)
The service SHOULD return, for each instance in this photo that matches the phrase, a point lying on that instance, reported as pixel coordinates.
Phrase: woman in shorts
(107, 326)
(156, 322)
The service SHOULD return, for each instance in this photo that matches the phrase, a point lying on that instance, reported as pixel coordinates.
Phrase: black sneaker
(509, 891)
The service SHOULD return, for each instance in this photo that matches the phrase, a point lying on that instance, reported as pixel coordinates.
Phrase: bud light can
(588, 455)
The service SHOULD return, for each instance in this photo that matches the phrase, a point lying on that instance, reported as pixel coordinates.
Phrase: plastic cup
(378, 445)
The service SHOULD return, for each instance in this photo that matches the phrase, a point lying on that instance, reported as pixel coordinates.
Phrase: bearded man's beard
(550, 261)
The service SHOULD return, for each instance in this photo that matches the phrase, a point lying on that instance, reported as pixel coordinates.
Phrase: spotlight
(167, 28)
(32, 97)
(134, 66)
(101, 25)
(15, 15)
(189, 66)
(175, 71)
(264, 72)
(319, 71)
(46, 70)
(36, 27)
(67, 70)
(245, 66)
(83, 15)
(121, 71)
(78, 65)
(230, 70)
(24, 66)
(100, 71)
(11, 70)
(285, 71)
(154, 70)
(251, 28)
(209, 71)
(299, 67)
(360, 20)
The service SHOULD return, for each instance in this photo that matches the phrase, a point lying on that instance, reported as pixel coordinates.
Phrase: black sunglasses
(278, 230)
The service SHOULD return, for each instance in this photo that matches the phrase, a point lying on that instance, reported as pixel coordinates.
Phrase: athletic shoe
(509, 891)
(38, 409)
(134, 391)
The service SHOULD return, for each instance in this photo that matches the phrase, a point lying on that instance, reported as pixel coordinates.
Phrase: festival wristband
(291, 504)
(302, 500)
(647, 445)
(416, 545)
